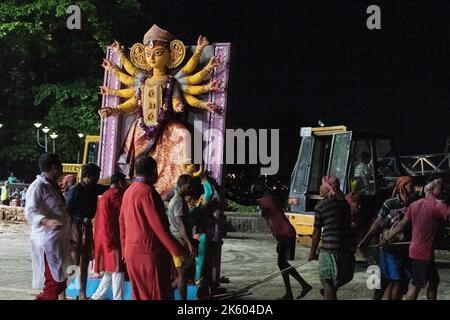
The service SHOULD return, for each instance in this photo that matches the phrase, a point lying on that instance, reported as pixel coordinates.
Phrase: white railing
(419, 164)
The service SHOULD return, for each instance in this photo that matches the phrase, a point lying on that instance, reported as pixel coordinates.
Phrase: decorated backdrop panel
(113, 129)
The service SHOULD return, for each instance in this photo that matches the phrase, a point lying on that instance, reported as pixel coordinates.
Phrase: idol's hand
(214, 85)
(211, 107)
(202, 42)
(107, 65)
(179, 107)
(106, 112)
(214, 62)
(105, 91)
(116, 46)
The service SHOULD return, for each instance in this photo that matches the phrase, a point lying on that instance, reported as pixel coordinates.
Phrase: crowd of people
(10, 196)
(160, 246)
(406, 225)
(133, 235)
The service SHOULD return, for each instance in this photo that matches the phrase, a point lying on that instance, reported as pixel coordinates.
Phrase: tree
(50, 74)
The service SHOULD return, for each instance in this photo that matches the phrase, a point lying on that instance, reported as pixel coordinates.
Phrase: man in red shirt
(108, 255)
(147, 243)
(424, 216)
(284, 233)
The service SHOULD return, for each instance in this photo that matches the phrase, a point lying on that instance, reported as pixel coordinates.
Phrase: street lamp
(1, 125)
(45, 130)
(53, 136)
(80, 135)
(321, 123)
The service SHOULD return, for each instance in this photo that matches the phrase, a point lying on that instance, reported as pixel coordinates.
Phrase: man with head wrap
(424, 216)
(336, 257)
(392, 262)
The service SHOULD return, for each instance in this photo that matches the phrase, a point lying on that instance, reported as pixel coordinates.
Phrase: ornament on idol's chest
(152, 102)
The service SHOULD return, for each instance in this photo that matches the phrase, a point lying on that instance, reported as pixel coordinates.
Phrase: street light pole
(38, 125)
(80, 135)
(46, 130)
(54, 136)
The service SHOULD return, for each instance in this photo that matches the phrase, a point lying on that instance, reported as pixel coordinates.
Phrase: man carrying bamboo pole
(392, 260)
(284, 233)
(424, 215)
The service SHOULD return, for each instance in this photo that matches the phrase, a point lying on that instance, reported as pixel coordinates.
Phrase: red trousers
(51, 288)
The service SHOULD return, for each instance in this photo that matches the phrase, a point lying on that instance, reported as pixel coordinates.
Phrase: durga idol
(156, 94)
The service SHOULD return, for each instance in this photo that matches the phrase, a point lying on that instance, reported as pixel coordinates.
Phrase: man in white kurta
(50, 230)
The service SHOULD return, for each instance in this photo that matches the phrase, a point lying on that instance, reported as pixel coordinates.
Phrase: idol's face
(157, 57)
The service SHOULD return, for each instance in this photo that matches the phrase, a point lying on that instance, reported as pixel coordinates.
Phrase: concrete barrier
(246, 222)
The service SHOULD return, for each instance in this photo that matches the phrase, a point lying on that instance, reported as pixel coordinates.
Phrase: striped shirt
(333, 216)
(390, 204)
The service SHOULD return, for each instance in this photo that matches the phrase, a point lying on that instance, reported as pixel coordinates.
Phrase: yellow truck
(90, 154)
(356, 159)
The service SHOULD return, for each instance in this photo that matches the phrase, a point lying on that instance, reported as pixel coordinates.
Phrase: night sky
(295, 62)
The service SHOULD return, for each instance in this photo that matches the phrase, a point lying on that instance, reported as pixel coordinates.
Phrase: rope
(389, 244)
(257, 283)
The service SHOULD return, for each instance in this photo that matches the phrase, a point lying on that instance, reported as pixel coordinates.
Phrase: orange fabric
(171, 151)
(400, 185)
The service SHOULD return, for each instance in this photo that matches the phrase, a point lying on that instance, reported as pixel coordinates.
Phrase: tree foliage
(50, 74)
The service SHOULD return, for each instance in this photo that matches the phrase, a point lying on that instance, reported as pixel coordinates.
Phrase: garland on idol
(152, 131)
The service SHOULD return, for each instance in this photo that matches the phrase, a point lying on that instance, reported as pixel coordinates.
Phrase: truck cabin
(365, 164)
(90, 155)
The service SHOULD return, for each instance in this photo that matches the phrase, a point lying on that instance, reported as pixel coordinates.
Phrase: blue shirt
(12, 179)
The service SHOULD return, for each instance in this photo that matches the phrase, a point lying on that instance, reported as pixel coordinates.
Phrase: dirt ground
(245, 259)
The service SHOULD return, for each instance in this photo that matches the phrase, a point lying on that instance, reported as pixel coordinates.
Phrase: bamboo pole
(243, 290)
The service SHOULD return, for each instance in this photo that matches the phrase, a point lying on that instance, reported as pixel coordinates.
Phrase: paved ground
(249, 259)
(15, 262)
(244, 260)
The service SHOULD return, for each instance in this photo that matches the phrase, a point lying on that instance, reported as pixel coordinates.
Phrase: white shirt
(362, 170)
(44, 201)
